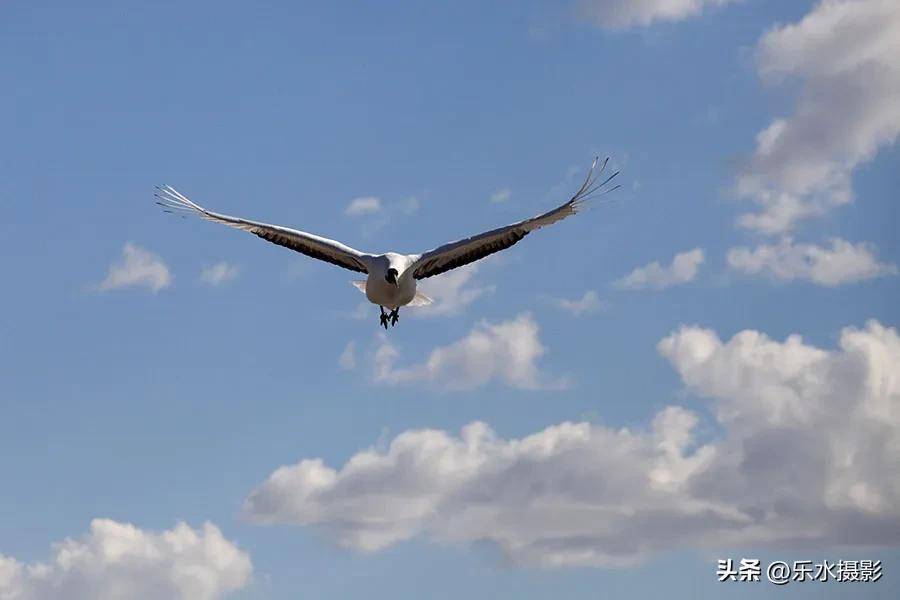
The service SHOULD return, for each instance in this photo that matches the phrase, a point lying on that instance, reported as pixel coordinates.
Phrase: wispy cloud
(623, 14)
(409, 206)
(840, 264)
(806, 437)
(137, 268)
(501, 195)
(589, 303)
(365, 205)
(508, 352)
(452, 292)
(844, 54)
(683, 268)
(117, 560)
(347, 359)
(219, 273)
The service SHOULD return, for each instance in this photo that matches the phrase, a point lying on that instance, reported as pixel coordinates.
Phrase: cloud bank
(118, 560)
(840, 264)
(805, 455)
(507, 352)
(844, 54)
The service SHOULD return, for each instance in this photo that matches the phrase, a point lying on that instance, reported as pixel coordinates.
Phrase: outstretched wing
(300, 241)
(462, 252)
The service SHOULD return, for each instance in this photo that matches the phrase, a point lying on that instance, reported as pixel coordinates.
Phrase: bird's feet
(395, 316)
(384, 318)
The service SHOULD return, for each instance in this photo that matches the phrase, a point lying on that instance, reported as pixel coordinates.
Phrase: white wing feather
(462, 252)
(305, 243)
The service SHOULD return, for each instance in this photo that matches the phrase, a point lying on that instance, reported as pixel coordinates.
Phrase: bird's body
(392, 277)
(383, 293)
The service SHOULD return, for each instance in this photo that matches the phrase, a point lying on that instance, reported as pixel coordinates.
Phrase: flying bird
(392, 277)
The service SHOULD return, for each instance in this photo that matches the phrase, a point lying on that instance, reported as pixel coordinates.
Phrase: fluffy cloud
(219, 273)
(845, 54)
(842, 263)
(137, 268)
(588, 304)
(622, 14)
(117, 560)
(806, 453)
(502, 195)
(452, 292)
(366, 205)
(507, 351)
(683, 269)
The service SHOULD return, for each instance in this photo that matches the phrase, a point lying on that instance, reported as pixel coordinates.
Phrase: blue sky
(138, 390)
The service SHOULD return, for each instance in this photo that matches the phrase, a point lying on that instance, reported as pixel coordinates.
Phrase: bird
(392, 276)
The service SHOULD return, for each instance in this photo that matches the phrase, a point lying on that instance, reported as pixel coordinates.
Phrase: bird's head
(391, 276)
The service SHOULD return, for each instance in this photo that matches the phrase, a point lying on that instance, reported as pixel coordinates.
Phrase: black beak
(391, 276)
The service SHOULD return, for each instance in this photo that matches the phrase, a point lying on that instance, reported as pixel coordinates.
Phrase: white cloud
(366, 205)
(588, 304)
(502, 195)
(219, 273)
(684, 268)
(347, 359)
(118, 560)
(622, 14)
(842, 263)
(452, 291)
(507, 351)
(845, 55)
(806, 455)
(137, 268)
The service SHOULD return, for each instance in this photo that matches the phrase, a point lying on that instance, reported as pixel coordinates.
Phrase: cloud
(410, 206)
(365, 205)
(452, 291)
(347, 359)
(502, 195)
(845, 56)
(219, 273)
(684, 268)
(807, 442)
(623, 14)
(588, 304)
(137, 268)
(507, 351)
(118, 560)
(842, 263)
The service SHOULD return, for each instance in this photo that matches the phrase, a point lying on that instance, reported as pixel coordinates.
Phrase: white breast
(380, 292)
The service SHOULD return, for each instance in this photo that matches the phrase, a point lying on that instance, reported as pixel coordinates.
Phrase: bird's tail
(420, 299)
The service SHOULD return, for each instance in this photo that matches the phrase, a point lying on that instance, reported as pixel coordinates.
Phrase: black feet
(393, 316)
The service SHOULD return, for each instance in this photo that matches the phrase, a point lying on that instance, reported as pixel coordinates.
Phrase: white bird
(392, 277)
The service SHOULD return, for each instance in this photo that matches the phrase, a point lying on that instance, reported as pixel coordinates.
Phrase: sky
(703, 365)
